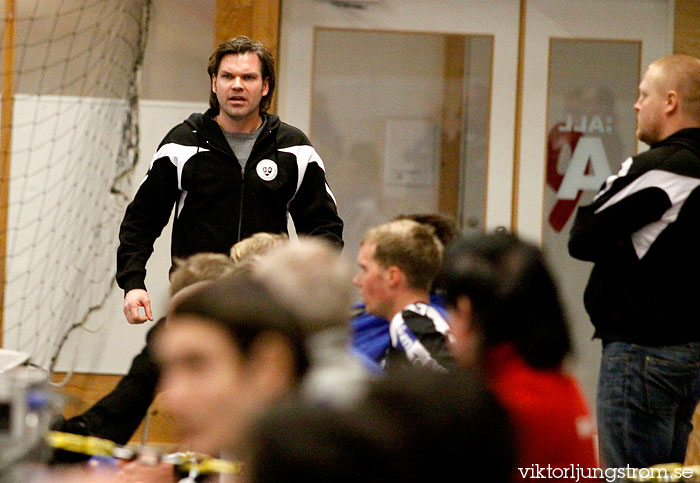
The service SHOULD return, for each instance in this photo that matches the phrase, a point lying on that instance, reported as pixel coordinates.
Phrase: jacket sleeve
(604, 228)
(143, 222)
(313, 207)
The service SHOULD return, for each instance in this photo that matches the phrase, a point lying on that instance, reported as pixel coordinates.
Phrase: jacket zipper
(240, 206)
(264, 134)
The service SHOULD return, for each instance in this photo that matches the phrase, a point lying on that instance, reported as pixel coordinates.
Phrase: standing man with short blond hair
(642, 233)
(231, 172)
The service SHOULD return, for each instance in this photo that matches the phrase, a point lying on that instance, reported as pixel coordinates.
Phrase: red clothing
(553, 425)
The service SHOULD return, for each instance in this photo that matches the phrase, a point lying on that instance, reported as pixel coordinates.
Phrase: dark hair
(245, 309)
(513, 296)
(406, 428)
(444, 226)
(242, 45)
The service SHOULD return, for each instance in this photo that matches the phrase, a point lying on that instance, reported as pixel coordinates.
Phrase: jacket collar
(688, 137)
(209, 129)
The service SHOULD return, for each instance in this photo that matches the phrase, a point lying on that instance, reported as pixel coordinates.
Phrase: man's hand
(135, 298)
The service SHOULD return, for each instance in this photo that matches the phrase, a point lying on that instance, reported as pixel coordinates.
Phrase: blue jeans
(646, 399)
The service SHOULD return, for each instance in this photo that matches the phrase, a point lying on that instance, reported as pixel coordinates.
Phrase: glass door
(399, 99)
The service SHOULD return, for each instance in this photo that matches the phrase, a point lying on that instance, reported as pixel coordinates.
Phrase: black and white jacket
(642, 231)
(217, 203)
(420, 337)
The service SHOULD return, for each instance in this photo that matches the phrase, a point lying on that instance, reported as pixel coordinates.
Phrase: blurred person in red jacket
(508, 323)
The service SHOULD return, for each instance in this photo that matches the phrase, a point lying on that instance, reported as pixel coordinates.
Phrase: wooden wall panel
(452, 123)
(258, 19)
(518, 119)
(686, 29)
(6, 112)
(84, 390)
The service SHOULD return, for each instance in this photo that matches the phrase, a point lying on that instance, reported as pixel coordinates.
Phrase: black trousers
(117, 415)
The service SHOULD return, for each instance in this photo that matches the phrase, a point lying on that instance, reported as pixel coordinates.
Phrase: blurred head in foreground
(229, 351)
(312, 280)
(405, 429)
(499, 291)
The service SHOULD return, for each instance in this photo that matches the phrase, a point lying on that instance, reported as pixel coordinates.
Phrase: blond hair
(681, 73)
(198, 268)
(257, 244)
(409, 245)
(311, 279)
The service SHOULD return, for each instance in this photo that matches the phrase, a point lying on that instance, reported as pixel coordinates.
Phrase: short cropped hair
(242, 45)
(257, 244)
(198, 268)
(245, 309)
(512, 294)
(409, 245)
(311, 279)
(682, 74)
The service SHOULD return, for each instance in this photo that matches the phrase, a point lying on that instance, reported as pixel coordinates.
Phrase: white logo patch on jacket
(266, 169)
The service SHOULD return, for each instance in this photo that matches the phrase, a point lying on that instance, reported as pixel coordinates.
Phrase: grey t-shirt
(242, 143)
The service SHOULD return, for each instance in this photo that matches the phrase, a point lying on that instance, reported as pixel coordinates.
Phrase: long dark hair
(513, 296)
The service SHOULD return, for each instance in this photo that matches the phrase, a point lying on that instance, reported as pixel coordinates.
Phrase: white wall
(60, 218)
(51, 218)
(48, 183)
(180, 40)
(111, 349)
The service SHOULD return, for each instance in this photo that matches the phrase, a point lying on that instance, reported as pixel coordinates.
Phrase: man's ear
(271, 366)
(671, 102)
(394, 276)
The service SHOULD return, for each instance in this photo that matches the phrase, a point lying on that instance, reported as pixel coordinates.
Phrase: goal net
(74, 144)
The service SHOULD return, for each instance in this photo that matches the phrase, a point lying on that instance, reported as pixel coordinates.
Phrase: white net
(74, 143)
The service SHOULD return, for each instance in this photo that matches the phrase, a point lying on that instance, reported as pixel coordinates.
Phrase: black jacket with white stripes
(420, 337)
(217, 203)
(642, 231)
